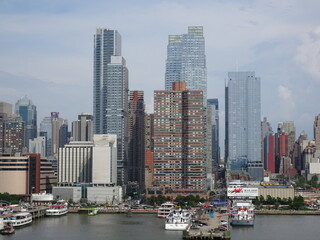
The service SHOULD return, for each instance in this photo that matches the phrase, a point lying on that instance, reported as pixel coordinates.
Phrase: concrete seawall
(286, 212)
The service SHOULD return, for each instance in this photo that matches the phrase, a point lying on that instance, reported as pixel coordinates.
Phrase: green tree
(297, 203)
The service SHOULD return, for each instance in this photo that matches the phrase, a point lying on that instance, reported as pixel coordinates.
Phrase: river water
(147, 226)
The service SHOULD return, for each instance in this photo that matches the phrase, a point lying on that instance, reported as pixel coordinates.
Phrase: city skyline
(281, 51)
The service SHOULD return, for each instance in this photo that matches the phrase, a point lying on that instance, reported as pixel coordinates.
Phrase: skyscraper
(82, 129)
(149, 149)
(186, 60)
(25, 108)
(6, 108)
(110, 87)
(179, 140)
(243, 124)
(136, 138)
(214, 105)
(55, 130)
(316, 131)
(12, 134)
(107, 43)
(289, 129)
(265, 132)
(46, 131)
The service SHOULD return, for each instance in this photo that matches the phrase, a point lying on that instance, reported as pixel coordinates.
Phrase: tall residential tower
(186, 60)
(179, 140)
(110, 94)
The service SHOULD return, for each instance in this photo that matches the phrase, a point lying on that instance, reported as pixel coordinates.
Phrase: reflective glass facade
(25, 108)
(243, 118)
(214, 105)
(110, 98)
(107, 43)
(186, 60)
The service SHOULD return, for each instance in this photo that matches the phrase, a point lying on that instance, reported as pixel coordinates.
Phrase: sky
(46, 50)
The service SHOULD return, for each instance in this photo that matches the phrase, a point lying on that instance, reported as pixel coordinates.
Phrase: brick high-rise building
(269, 152)
(136, 138)
(179, 140)
(149, 149)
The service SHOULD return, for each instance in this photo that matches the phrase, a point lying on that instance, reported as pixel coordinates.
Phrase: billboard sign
(242, 192)
(55, 114)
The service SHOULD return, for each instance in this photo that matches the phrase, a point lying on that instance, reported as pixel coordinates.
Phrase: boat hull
(20, 222)
(176, 226)
(56, 212)
(242, 222)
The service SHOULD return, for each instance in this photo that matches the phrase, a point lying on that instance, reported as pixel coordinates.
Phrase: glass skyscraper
(25, 108)
(243, 120)
(107, 43)
(110, 98)
(214, 105)
(186, 60)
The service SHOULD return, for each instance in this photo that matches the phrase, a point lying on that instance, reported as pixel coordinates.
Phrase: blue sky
(52, 43)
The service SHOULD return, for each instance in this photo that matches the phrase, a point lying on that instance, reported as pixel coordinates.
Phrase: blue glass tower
(25, 108)
(243, 119)
(186, 60)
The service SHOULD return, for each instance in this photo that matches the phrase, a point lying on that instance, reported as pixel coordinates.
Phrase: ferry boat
(165, 209)
(57, 210)
(242, 213)
(178, 220)
(19, 219)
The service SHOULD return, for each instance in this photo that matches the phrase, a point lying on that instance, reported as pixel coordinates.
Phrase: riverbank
(286, 212)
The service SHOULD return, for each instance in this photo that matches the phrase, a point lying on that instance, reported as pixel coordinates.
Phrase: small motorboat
(8, 228)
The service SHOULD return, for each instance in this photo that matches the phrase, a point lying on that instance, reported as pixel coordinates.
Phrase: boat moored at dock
(165, 209)
(57, 210)
(242, 213)
(18, 219)
(178, 220)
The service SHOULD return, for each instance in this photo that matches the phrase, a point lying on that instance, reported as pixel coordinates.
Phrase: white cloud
(308, 54)
(286, 103)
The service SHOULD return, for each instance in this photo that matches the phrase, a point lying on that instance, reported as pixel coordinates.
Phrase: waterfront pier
(209, 224)
(36, 212)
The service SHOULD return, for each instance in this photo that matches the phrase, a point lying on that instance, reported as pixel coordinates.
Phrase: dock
(36, 212)
(115, 211)
(210, 226)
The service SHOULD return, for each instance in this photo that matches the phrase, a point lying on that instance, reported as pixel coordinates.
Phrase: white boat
(178, 220)
(19, 219)
(57, 210)
(242, 213)
(93, 211)
(165, 209)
